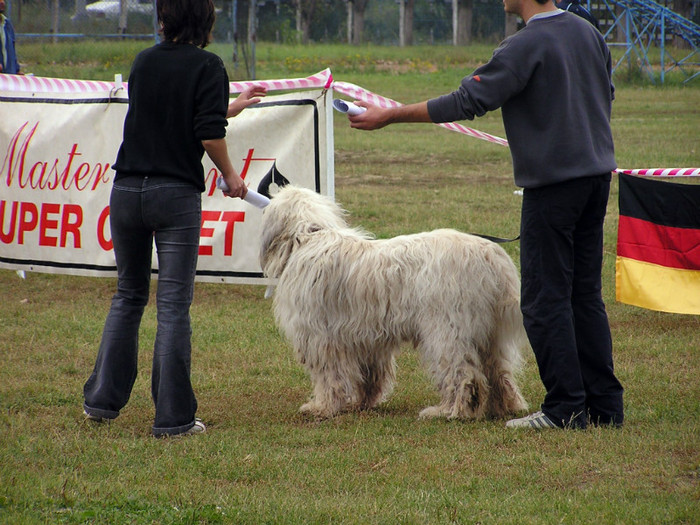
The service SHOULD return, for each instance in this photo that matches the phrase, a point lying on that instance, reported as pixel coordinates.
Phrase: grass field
(262, 462)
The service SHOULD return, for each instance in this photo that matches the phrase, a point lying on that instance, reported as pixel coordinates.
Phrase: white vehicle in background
(110, 8)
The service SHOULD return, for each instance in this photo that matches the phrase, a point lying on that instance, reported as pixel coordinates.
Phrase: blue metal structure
(644, 23)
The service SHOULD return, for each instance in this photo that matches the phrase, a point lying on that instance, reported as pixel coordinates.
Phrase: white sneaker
(197, 428)
(537, 421)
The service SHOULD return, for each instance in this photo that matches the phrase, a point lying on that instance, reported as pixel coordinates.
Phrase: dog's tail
(511, 338)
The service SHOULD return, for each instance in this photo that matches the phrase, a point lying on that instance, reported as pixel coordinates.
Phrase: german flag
(658, 245)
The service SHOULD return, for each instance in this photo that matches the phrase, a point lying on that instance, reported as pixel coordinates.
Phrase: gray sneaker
(537, 421)
(94, 419)
(197, 428)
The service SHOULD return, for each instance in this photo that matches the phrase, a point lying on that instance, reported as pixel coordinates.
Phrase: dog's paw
(431, 412)
(315, 410)
(307, 408)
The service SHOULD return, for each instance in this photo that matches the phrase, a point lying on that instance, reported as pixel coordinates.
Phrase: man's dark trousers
(561, 262)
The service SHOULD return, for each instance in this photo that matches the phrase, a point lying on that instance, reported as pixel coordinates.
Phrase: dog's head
(294, 214)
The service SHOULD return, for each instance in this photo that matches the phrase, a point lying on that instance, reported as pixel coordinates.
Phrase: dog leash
(498, 240)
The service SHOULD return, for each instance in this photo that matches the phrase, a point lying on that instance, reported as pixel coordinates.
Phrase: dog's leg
(505, 398)
(463, 387)
(379, 375)
(336, 377)
(501, 363)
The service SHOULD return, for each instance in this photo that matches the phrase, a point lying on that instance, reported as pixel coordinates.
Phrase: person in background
(9, 64)
(575, 7)
(178, 106)
(552, 80)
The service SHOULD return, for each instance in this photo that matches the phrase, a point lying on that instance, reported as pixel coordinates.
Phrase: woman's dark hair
(186, 21)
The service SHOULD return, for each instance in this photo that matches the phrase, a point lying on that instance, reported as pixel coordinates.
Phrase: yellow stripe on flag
(657, 287)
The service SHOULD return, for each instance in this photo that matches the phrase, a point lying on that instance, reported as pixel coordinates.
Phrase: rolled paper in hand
(252, 197)
(221, 183)
(347, 107)
(256, 199)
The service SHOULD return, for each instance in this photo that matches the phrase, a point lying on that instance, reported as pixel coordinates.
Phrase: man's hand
(374, 118)
(377, 117)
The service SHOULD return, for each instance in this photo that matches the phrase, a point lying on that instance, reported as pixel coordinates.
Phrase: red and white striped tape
(30, 83)
(663, 172)
(322, 79)
(359, 93)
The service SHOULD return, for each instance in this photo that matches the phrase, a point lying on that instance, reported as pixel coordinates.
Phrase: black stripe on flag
(660, 202)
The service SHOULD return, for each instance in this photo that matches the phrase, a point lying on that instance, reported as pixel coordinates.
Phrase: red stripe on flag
(663, 245)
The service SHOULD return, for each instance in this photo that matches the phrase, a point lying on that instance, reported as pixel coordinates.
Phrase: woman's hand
(236, 186)
(249, 96)
(218, 152)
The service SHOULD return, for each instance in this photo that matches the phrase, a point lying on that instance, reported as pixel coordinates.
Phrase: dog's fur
(347, 301)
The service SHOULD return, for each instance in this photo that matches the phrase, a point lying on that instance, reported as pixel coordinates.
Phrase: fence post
(349, 3)
(402, 22)
(123, 11)
(54, 21)
(252, 36)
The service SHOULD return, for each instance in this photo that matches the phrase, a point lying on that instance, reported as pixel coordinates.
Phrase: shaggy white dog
(346, 301)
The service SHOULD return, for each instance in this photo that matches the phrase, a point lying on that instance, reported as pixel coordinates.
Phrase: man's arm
(376, 117)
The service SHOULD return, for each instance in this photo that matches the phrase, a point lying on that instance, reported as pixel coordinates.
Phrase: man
(8, 60)
(552, 80)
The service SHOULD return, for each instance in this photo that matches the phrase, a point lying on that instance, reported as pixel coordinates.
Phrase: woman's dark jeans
(143, 209)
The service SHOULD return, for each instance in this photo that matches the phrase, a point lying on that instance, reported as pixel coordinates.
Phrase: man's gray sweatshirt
(552, 80)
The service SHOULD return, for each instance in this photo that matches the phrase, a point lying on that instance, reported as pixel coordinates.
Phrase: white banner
(56, 151)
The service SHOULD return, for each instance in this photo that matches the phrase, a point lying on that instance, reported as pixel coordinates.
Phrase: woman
(178, 106)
